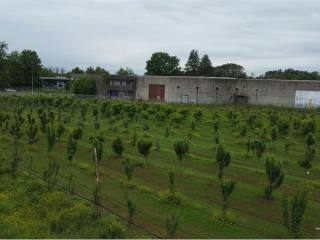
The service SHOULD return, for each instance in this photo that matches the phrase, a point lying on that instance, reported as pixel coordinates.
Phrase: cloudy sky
(258, 34)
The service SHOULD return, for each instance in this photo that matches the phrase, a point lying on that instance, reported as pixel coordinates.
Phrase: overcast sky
(258, 34)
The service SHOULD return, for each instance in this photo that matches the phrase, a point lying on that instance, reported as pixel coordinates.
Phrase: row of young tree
(278, 126)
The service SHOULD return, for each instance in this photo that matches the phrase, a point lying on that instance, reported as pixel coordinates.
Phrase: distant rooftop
(55, 78)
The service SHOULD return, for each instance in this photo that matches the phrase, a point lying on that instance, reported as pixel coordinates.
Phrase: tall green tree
(205, 68)
(77, 70)
(193, 64)
(230, 70)
(90, 70)
(100, 70)
(274, 174)
(3, 59)
(293, 213)
(31, 68)
(223, 158)
(125, 71)
(163, 64)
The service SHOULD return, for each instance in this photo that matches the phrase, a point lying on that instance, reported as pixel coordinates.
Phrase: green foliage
(162, 64)
(32, 130)
(117, 146)
(274, 133)
(205, 68)
(129, 167)
(181, 148)
(43, 121)
(193, 64)
(83, 85)
(291, 74)
(172, 224)
(274, 175)
(60, 131)
(197, 115)
(243, 130)
(308, 126)
(131, 211)
(51, 137)
(97, 146)
(283, 126)
(226, 187)
(310, 140)
(77, 133)
(308, 159)
(50, 175)
(223, 158)
(293, 213)
(125, 71)
(113, 230)
(72, 219)
(259, 147)
(144, 147)
(71, 147)
(168, 197)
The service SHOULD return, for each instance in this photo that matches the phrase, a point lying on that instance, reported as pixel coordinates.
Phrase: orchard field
(163, 167)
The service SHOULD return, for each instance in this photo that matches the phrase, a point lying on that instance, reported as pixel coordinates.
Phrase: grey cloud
(260, 35)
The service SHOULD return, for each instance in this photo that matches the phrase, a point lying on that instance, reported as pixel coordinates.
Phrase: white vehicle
(9, 90)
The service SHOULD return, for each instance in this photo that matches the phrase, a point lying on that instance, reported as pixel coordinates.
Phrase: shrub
(83, 85)
(181, 148)
(169, 197)
(117, 146)
(283, 126)
(306, 162)
(274, 174)
(144, 147)
(274, 133)
(223, 158)
(172, 223)
(197, 115)
(112, 229)
(308, 126)
(55, 201)
(310, 140)
(293, 214)
(176, 118)
(259, 147)
(77, 133)
(72, 219)
(226, 187)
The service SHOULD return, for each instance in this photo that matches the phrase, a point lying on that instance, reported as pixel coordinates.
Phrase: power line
(37, 176)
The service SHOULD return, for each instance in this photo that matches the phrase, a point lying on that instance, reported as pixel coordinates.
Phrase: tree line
(161, 63)
(17, 69)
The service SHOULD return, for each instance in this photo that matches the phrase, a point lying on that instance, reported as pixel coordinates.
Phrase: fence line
(62, 189)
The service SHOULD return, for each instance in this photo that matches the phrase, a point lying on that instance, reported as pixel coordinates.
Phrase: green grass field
(253, 216)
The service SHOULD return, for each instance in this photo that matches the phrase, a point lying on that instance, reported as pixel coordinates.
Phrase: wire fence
(61, 188)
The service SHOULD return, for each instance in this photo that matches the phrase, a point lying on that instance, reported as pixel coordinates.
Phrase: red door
(156, 92)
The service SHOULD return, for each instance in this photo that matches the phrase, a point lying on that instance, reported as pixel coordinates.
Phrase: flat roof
(54, 78)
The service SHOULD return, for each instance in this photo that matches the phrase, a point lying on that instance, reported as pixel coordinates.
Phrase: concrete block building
(213, 90)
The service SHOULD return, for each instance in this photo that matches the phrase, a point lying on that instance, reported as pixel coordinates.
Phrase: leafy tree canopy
(163, 64)
(291, 74)
(125, 71)
(193, 64)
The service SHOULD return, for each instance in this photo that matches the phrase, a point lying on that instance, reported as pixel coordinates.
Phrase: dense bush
(83, 85)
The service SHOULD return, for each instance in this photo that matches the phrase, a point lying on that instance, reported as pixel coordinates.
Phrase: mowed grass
(255, 217)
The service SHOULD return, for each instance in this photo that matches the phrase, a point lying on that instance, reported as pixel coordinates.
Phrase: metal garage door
(156, 92)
